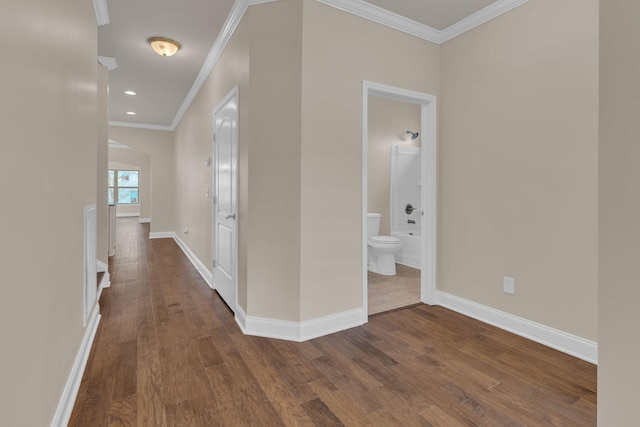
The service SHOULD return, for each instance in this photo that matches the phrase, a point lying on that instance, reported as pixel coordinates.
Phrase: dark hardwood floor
(168, 353)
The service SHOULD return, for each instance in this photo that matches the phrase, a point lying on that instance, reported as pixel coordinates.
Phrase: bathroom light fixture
(414, 135)
(164, 46)
(131, 113)
(129, 92)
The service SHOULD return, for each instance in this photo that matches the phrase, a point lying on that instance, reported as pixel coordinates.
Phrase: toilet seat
(384, 240)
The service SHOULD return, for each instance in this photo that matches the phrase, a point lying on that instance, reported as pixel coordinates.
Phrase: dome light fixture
(164, 46)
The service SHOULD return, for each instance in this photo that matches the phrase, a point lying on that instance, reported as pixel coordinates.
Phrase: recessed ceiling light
(131, 113)
(129, 92)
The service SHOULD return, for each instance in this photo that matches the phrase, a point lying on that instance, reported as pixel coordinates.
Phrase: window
(123, 187)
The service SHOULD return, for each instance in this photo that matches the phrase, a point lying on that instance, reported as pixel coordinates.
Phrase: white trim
(326, 325)
(559, 340)
(68, 398)
(161, 235)
(101, 11)
(384, 17)
(102, 267)
(144, 221)
(127, 215)
(109, 63)
(90, 262)
(480, 17)
(199, 265)
(429, 156)
(298, 331)
(140, 126)
(392, 20)
(233, 19)
(106, 279)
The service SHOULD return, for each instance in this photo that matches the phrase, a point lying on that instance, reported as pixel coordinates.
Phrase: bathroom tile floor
(391, 292)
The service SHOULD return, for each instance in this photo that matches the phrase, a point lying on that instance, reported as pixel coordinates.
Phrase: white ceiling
(163, 84)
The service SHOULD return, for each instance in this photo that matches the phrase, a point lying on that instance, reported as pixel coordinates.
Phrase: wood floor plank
(320, 413)
(122, 412)
(126, 362)
(168, 352)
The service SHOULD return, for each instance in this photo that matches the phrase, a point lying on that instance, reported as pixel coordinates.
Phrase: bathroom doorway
(399, 173)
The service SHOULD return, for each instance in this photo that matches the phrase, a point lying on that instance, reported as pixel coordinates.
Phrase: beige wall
(619, 271)
(48, 117)
(273, 270)
(193, 145)
(388, 123)
(159, 146)
(518, 165)
(269, 159)
(340, 51)
(102, 243)
(128, 159)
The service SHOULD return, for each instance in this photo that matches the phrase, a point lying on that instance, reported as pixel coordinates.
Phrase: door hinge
(213, 262)
(215, 136)
(215, 200)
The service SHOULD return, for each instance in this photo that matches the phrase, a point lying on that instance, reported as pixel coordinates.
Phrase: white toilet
(381, 250)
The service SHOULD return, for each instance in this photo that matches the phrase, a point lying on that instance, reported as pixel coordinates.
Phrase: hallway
(168, 352)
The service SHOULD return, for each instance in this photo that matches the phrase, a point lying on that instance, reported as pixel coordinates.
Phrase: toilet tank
(373, 224)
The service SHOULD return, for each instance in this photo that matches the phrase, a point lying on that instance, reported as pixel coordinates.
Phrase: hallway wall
(619, 238)
(48, 157)
(193, 144)
(102, 212)
(126, 158)
(159, 146)
(518, 173)
(263, 58)
(341, 50)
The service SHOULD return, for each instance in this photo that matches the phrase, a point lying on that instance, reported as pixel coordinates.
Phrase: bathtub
(411, 247)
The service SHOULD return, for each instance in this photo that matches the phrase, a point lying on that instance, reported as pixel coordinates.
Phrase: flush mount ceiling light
(129, 92)
(164, 46)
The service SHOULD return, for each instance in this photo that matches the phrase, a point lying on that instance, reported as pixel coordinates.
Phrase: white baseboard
(144, 220)
(68, 398)
(162, 235)
(559, 340)
(326, 325)
(127, 215)
(199, 265)
(298, 331)
(272, 328)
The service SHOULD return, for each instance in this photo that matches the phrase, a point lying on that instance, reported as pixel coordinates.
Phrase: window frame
(115, 187)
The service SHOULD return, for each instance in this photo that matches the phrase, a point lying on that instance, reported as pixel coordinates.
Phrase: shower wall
(388, 122)
(406, 180)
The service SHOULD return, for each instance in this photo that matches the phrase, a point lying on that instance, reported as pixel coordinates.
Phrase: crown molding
(389, 19)
(356, 7)
(233, 19)
(110, 63)
(480, 17)
(140, 126)
(392, 20)
(102, 14)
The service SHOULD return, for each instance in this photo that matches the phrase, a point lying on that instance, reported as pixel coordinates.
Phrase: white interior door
(225, 201)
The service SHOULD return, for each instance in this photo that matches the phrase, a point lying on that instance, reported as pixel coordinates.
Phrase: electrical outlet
(186, 230)
(509, 285)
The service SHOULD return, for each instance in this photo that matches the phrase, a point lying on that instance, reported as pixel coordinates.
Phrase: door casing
(429, 173)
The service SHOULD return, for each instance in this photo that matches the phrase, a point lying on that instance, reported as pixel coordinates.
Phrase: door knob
(230, 216)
